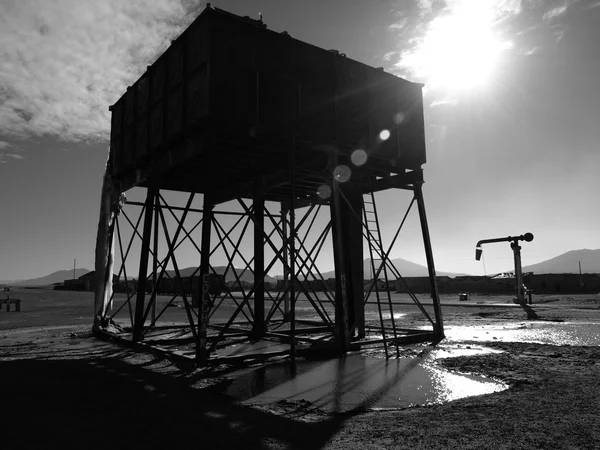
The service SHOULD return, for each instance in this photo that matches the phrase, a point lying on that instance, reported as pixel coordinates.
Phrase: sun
(459, 49)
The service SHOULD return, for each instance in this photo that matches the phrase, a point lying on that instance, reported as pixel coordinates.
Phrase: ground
(60, 387)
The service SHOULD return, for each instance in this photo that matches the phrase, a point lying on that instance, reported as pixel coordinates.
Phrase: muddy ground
(61, 388)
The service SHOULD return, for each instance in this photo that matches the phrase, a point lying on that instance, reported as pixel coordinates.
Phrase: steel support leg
(204, 296)
(138, 325)
(286, 272)
(439, 325)
(347, 250)
(155, 261)
(259, 264)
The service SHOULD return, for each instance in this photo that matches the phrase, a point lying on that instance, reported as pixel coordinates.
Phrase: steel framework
(236, 311)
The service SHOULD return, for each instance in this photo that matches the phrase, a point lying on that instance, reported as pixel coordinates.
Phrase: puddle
(555, 333)
(358, 383)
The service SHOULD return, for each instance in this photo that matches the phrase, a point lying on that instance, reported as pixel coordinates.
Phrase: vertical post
(138, 325)
(353, 237)
(155, 260)
(339, 258)
(259, 263)
(286, 271)
(75, 262)
(439, 325)
(518, 272)
(292, 255)
(204, 296)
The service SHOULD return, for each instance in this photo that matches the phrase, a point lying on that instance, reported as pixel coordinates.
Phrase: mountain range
(569, 263)
(406, 269)
(55, 277)
(243, 275)
(565, 263)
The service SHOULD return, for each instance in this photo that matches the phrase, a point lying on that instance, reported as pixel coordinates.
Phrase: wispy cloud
(8, 151)
(63, 62)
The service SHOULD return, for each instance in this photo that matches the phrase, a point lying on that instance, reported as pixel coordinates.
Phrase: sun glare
(460, 49)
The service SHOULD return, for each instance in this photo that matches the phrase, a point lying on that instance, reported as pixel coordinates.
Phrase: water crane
(516, 248)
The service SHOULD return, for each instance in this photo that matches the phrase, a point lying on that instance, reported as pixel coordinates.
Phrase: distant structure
(520, 288)
(86, 282)
(288, 144)
(540, 284)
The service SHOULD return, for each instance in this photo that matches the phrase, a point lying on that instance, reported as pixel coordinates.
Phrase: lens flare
(342, 173)
(384, 135)
(359, 157)
(324, 191)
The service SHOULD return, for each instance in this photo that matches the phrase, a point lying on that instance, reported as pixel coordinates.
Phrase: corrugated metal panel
(142, 88)
(175, 64)
(196, 95)
(352, 101)
(174, 112)
(316, 106)
(157, 81)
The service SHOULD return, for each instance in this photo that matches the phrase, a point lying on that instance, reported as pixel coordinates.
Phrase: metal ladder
(378, 265)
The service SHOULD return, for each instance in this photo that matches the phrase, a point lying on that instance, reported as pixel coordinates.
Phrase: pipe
(527, 237)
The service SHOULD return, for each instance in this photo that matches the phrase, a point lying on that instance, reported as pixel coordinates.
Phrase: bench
(9, 301)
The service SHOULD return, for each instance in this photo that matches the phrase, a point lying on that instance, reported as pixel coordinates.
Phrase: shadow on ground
(105, 401)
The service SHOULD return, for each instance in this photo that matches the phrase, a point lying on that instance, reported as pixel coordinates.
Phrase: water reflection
(555, 333)
(357, 383)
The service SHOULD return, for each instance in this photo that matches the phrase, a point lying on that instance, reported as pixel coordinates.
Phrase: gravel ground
(61, 388)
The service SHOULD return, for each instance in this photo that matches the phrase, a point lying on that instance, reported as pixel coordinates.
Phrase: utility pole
(74, 262)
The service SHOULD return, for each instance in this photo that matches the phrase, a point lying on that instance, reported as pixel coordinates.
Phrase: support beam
(439, 325)
(203, 295)
(155, 261)
(286, 272)
(259, 263)
(138, 325)
(346, 212)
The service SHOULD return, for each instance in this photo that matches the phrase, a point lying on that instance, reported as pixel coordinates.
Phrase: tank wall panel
(234, 99)
(141, 137)
(174, 65)
(157, 81)
(156, 125)
(142, 88)
(174, 112)
(196, 95)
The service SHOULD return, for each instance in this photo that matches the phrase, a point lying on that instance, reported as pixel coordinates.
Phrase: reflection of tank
(514, 244)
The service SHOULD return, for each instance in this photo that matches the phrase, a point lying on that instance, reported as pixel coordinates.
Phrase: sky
(512, 114)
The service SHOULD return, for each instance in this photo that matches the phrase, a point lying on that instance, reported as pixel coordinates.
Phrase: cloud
(63, 62)
(8, 151)
(555, 12)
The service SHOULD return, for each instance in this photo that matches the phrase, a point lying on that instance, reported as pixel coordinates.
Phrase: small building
(86, 282)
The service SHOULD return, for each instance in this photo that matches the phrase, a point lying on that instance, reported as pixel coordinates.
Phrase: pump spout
(478, 252)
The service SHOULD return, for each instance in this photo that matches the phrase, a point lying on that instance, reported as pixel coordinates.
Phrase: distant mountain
(55, 277)
(569, 263)
(9, 281)
(246, 276)
(406, 269)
